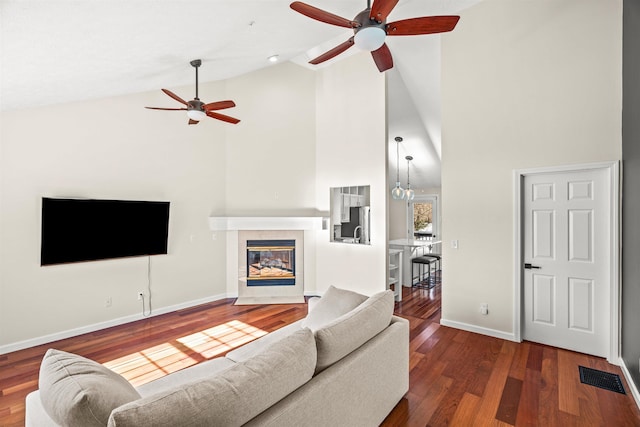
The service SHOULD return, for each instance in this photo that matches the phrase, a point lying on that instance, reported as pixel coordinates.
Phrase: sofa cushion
(334, 303)
(76, 391)
(231, 397)
(348, 332)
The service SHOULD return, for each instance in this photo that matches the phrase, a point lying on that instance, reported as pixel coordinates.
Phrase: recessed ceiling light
(273, 58)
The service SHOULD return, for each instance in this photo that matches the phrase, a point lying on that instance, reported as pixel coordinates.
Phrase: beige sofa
(345, 364)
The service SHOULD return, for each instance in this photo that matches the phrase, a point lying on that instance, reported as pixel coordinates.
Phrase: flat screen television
(76, 230)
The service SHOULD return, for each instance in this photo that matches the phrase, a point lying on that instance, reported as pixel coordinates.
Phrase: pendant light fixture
(398, 192)
(409, 194)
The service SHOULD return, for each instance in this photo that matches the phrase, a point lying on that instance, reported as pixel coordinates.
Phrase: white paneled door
(566, 238)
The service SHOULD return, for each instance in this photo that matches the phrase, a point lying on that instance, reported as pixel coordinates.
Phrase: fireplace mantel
(226, 223)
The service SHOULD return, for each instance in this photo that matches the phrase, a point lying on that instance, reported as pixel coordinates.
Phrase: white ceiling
(57, 51)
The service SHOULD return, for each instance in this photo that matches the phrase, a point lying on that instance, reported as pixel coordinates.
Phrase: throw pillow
(231, 397)
(76, 391)
(334, 303)
(348, 332)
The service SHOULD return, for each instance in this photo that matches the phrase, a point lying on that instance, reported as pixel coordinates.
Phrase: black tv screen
(75, 230)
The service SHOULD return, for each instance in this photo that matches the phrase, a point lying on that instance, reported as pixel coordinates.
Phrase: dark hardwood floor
(457, 378)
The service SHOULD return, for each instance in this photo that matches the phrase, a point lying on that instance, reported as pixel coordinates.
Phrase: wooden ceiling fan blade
(174, 96)
(424, 25)
(381, 9)
(167, 109)
(322, 16)
(222, 117)
(333, 52)
(193, 122)
(382, 57)
(219, 105)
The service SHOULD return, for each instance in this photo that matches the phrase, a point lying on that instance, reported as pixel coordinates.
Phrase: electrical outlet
(484, 309)
(454, 244)
(107, 302)
(140, 295)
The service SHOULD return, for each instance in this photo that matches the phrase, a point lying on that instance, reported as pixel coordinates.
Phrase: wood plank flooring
(457, 378)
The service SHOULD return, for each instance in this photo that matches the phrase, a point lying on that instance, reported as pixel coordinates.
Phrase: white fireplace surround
(240, 229)
(226, 223)
(270, 294)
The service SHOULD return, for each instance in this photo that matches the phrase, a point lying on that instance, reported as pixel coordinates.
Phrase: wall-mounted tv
(76, 230)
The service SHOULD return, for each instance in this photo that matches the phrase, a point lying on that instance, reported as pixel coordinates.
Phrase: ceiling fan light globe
(398, 192)
(370, 38)
(196, 115)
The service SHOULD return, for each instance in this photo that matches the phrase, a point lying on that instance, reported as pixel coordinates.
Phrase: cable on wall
(144, 314)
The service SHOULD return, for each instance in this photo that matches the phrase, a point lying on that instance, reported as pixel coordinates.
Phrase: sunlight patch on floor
(155, 362)
(213, 341)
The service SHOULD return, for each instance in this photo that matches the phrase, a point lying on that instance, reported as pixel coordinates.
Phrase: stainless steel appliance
(358, 227)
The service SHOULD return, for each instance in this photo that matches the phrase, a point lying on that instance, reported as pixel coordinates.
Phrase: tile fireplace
(238, 231)
(270, 266)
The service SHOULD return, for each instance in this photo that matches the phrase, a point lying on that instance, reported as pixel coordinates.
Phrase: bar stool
(438, 257)
(421, 262)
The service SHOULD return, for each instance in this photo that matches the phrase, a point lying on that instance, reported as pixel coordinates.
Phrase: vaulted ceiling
(57, 51)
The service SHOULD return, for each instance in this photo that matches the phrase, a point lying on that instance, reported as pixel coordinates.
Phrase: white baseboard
(632, 385)
(311, 294)
(479, 330)
(21, 345)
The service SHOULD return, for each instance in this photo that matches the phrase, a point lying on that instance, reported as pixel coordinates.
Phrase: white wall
(270, 160)
(397, 219)
(279, 160)
(109, 148)
(525, 84)
(350, 151)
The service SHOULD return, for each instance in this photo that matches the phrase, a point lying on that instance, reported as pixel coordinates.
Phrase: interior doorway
(423, 238)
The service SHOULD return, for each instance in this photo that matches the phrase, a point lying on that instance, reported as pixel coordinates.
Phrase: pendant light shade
(398, 192)
(409, 194)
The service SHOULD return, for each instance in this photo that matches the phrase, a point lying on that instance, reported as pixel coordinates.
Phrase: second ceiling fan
(198, 110)
(370, 29)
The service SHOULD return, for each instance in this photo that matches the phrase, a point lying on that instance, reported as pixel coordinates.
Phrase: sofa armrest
(35, 415)
(313, 301)
(254, 347)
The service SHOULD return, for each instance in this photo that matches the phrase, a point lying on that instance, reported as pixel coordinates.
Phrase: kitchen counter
(347, 240)
(410, 248)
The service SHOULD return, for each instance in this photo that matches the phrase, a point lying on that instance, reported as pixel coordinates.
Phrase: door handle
(528, 266)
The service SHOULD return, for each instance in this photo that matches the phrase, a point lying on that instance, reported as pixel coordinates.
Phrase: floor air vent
(601, 379)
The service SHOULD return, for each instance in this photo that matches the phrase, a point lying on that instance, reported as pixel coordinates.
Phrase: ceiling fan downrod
(195, 64)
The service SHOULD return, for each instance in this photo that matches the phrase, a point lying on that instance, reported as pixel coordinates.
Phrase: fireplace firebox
(271, 262)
